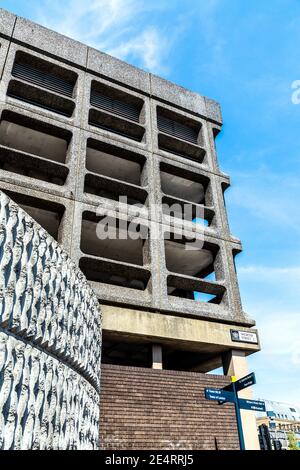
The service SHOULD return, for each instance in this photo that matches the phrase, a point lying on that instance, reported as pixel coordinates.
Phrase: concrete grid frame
(51, 145)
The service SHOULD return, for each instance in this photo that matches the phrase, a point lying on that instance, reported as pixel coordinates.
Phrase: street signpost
(245, 382)
(219, 395)
(252, 405)
(230, 394)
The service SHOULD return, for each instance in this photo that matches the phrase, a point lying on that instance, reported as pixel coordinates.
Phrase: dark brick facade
(154, 409)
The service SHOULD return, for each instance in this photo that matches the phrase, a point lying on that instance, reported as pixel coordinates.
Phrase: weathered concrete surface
(167, 329)
(50, 341)
(70, 200)
(7, 22)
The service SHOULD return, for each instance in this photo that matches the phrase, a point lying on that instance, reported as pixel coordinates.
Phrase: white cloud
(279, 332)
(268, 196)
(148, 45)
(118, 27)
(278, 321)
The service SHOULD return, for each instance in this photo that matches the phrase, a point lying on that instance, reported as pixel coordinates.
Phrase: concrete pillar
(157, 356)
(235, 364)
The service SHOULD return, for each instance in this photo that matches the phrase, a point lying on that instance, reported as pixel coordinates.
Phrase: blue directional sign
(252, 405)
(219, 395)
(230, 394)
(245, 382)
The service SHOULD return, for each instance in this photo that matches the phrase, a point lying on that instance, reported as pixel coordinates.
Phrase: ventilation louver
(43, 79)
(114, 106)
(175, 129)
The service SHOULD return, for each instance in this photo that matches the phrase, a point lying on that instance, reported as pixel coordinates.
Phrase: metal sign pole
(229, 394)
(238, 418)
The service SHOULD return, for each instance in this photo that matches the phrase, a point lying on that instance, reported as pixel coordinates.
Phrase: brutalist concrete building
(80, 129)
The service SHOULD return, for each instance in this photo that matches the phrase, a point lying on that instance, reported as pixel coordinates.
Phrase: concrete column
(157, 356)
(234, 363)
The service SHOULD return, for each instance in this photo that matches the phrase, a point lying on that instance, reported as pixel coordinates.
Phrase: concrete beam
(7, 22)
(186, 333)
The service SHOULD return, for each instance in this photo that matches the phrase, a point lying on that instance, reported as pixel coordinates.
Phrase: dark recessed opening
(116, 125)
(191, 265)
(180, 148)
(196, 290)
(124, 352)
(180, 135)
(190, 257)
(183, 184)
(116, 101)
(44, 74)
(114, 273)
(113, 189)
(179, 209)
(116, 111)
(26, 165)
(41, 98)
(23, 139)
(179, 126)
(121, 241)
(216, 132)
(114, 162)
(175, 358)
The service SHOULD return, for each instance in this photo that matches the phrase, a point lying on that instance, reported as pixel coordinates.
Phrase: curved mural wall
(50, 341)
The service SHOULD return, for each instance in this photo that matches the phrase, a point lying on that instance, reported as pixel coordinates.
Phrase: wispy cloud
(122, 28)
(275, 315)
(271, 274)
(150, 45)
(279, 332)
(267, 196)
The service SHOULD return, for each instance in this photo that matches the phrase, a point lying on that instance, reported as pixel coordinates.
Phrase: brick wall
(154, 409)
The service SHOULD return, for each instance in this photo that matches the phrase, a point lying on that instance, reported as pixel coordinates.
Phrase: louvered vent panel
(113, 106)
(46, 80)
(177, 130)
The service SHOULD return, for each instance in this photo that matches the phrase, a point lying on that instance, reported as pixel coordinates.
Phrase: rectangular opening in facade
(183, 184)
(44, 74)
(121, 351)
(195, 291)
(117, 274)
(186, 195)
(116, 258)
(41, 98)
(180, 135)
(184, 359)
(115, 162)
(113, 189)
(120, 244)
(115, 174)
(33, 148)
(116, 111)
(189, 257)
(178, 209)
(46, 213)
(116, 101)
(191, 267)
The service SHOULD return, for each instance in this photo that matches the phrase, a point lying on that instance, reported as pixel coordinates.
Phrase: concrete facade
(79, 129)
(50, 341)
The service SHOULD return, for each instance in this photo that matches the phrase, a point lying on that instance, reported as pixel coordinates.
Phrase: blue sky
(245, 55)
